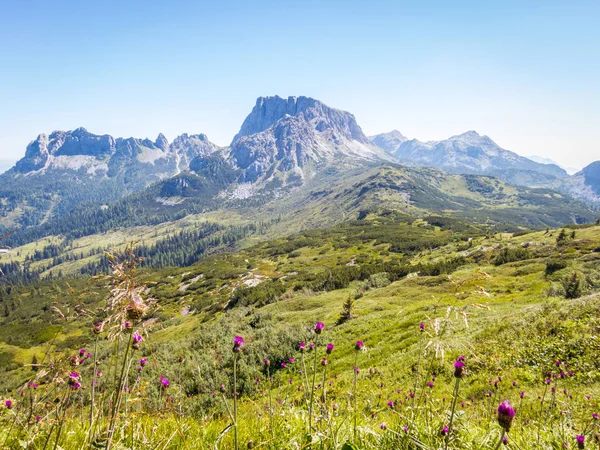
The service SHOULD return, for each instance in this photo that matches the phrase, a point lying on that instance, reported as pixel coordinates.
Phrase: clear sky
(526, 73)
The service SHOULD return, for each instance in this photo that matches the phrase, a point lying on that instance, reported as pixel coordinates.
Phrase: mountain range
(469, 153)
(293, 153)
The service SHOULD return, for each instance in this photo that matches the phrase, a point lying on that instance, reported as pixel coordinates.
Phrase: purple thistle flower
(38, 418)
(82, 352)
(359, 346)
(383, 426)
(164, 382)
(506, 413)
(356, 369)
(302, 346)
(8, 404)
(291, 360)
(505, 440)
(422, 326)
(391, 404)
(284, 365)
(595, 416)
(311, 346)
(580, 438)
(445, 430)
(140, 368)
(319, 327)
(329, 349)
(430, 384)
(143, 362)
(522, 395)
(238, 342)
(405, 429)
(128, 325)
(137, 337)
(267, 362)
(459, 367)
(324, 362)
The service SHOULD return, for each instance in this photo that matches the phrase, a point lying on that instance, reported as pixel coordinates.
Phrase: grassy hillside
(518, 307)
(331, 197)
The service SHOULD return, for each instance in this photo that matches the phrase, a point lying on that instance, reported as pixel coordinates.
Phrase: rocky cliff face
(100, 156)
(297, 136)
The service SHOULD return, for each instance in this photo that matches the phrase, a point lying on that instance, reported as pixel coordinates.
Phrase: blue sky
(526, 73)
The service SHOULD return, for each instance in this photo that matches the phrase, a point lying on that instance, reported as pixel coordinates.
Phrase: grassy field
(502, 304)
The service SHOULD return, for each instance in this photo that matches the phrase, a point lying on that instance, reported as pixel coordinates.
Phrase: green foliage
(574, 285)
(511, 254)
(554, 265)
(346, 313)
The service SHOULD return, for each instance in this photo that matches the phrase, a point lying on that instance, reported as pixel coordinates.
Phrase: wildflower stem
(116, 404)
(354, 393)
(235, 423)
(304, 379)
(62, 421)
(324, 378)
(312, 389)
(270, 402)
(501, 439)
(93, 394)
(418, 369)
(454, 398)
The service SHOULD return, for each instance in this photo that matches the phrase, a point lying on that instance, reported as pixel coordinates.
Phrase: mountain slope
(584, 185)
(483, 200)
(470, 153)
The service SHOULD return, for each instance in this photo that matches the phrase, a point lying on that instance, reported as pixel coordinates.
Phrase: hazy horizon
(524, 75)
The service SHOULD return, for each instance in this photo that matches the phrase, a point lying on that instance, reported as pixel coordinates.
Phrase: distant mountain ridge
(97, 182)
(104, 155)
(469, 152)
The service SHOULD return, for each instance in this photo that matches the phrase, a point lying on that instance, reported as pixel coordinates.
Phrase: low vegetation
(384, 333)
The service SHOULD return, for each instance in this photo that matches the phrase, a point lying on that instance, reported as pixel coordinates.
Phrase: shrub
(574, 285)
(379, 280)
(511, 254)
(554, 265)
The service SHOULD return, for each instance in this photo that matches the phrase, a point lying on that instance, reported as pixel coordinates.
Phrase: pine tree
(562, 237)
(346, 313)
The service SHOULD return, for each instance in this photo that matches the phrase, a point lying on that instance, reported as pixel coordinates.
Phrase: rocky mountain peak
(162, 142)
(268, 110)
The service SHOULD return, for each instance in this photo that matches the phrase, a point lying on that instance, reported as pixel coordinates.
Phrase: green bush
(511, 254)
(574, 285)
(554, 265)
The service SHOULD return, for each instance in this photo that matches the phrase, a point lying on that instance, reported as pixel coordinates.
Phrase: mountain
(584, 185)
(470, 153)
(290, 140)
(68, 168)
(544, 160)
(390, 142)
(295, 161)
